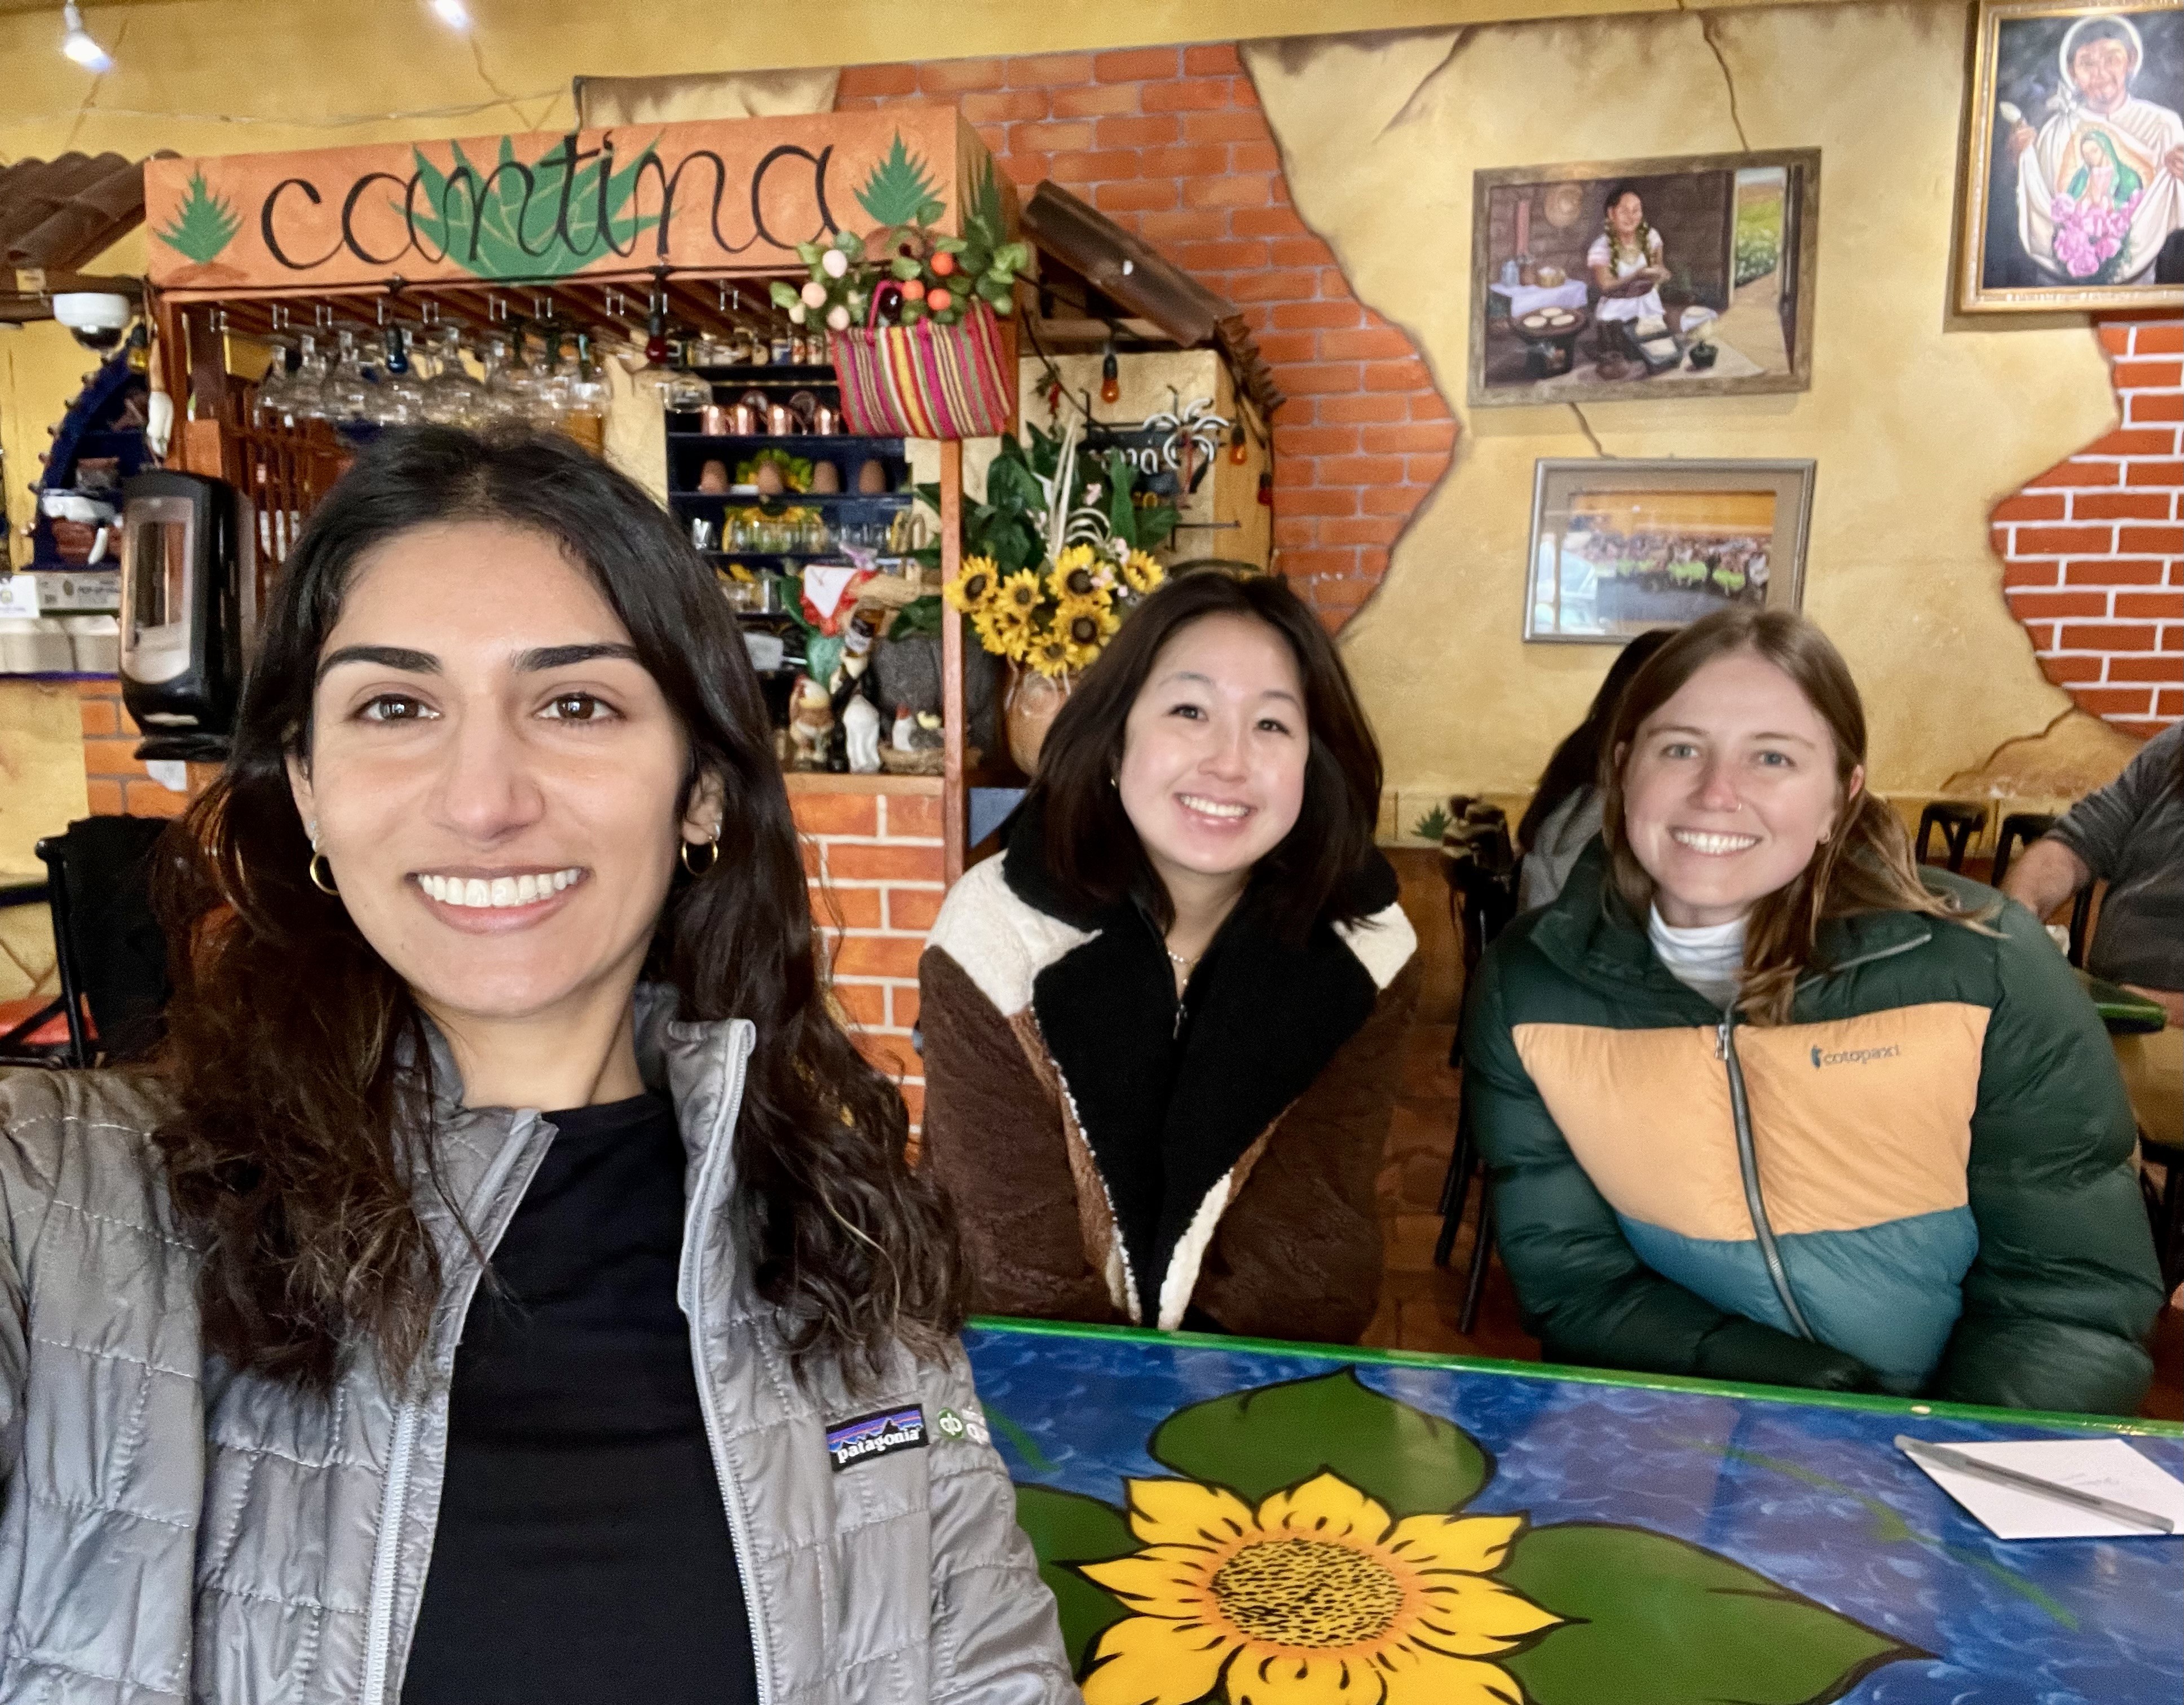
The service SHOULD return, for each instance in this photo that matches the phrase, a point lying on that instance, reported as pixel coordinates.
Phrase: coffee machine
(188, 610)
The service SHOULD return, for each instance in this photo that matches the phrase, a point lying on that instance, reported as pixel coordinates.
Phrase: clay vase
(1028, 711)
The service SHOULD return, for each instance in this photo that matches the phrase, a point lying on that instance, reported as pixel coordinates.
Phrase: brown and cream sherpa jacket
(1109, 1164)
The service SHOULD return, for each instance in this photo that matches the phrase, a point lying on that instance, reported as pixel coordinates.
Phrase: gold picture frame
(2027, 240)
(1723, 230)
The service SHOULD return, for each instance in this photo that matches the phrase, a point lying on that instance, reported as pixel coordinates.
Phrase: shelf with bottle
(797, 443)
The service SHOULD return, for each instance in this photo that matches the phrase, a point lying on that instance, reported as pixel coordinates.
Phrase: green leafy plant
(503, 223)
(900, 190)
(1433, 825)
(204, 225)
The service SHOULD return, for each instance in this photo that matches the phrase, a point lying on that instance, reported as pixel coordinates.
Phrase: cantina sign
(725, 196)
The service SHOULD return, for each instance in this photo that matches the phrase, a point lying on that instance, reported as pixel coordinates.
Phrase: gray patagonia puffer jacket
(171, 1529)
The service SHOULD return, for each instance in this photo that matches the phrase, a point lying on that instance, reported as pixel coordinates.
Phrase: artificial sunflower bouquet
(1059, 553)
(1054, 621)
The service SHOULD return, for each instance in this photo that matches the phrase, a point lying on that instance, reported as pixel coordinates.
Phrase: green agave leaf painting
(1312, 1546)
(203, 225)
(503, 222)
(901, 189)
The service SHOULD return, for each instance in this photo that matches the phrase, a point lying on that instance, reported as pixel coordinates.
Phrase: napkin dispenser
(188, 599)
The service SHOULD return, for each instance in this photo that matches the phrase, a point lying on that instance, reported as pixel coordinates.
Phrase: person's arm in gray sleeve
(2096, 828)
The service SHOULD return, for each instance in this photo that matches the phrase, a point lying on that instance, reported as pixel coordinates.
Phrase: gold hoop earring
(712, 854)
(325, 884)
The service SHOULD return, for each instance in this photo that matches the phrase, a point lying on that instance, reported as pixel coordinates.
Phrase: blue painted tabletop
(1811, 1494)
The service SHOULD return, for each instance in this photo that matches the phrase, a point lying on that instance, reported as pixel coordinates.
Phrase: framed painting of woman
(2074, 175)
(1688, 277)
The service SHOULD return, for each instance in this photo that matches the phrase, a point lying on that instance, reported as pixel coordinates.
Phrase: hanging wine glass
(307, 388)
(589, 393)
(451, 397)
(345, 395)
(501, 396)
(551, 378)
(401, 403)
(270, 406)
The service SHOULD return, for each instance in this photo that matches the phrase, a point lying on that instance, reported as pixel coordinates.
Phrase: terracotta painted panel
(725, 196)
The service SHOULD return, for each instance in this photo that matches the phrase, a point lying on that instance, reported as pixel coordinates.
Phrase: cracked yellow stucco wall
(1919, 422)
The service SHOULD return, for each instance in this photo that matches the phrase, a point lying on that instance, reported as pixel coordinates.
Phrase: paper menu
(2107, 1467)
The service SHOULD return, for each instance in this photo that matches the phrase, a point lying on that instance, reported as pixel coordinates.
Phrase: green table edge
(1911, 1407)
(2124, 1013)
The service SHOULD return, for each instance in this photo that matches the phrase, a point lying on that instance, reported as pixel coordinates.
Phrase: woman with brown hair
(1764, 1099)
(333, 1369)
(1161, 1030)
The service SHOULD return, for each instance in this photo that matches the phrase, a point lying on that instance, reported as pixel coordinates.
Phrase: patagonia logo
(876, 1435)
(1854, 1057)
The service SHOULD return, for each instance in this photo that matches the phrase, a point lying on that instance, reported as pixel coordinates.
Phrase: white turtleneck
(1707, 958)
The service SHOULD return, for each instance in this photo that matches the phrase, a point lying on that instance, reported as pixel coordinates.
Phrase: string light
(1111, 378)
(77, 44)
(452, 13)
(1238, 453)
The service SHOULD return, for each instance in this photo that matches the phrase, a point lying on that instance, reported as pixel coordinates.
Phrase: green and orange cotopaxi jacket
(1923, 1183)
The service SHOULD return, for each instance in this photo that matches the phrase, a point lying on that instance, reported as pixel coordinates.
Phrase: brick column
(2094, 547)
(115, 778)
(1171, 143)
(874, 857)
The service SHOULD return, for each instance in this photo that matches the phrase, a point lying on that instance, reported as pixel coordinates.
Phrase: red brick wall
(116, 782)
(2094, 547)
(875, 862)
(1170, 143)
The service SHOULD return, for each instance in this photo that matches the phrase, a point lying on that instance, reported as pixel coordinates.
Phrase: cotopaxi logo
(1854, 1057)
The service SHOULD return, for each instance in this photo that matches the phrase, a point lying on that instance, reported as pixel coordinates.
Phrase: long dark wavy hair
(1092, 852)
(298, 1060)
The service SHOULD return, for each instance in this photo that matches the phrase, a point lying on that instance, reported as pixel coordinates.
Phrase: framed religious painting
(2074, 171)
(1620, 546)
(1685, 277)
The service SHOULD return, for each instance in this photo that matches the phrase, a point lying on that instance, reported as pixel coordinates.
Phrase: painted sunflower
(1086, 627)
(1141, 574)
(1319, 1597)
(972, 590)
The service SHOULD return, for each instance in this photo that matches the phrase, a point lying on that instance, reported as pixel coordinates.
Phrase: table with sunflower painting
(1275, 1525)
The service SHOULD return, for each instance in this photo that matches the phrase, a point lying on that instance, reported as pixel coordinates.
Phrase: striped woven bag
(924, 381)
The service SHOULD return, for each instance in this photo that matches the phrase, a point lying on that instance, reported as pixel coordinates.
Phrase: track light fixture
(77, 44)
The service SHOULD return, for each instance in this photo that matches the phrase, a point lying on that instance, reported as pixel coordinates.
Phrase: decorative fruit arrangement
(910, 272)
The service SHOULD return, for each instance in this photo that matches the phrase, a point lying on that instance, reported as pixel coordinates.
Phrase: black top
(583, 1554)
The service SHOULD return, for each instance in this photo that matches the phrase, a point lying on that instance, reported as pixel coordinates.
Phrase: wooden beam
(955, 803)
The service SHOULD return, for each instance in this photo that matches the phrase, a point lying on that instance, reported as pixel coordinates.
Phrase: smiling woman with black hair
(1162, 1030)
(503, 831)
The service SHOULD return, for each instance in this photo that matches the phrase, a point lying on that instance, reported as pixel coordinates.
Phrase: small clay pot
(767, 478)
(713, 477)
(826, 477)
(872, 477)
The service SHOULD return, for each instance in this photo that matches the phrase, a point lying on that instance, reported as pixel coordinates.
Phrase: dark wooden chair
(1959, 821)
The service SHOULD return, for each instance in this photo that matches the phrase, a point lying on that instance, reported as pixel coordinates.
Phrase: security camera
(97, 318)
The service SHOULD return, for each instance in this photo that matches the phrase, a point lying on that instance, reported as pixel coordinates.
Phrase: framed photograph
(2074, 168)
(1685, 277)
(1618, 546)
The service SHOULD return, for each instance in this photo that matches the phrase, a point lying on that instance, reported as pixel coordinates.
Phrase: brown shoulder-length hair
(298, 1060)
(1093, 855)
(1865, 865)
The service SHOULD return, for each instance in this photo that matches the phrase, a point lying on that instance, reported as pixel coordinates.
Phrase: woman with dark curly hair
(333, 1368)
